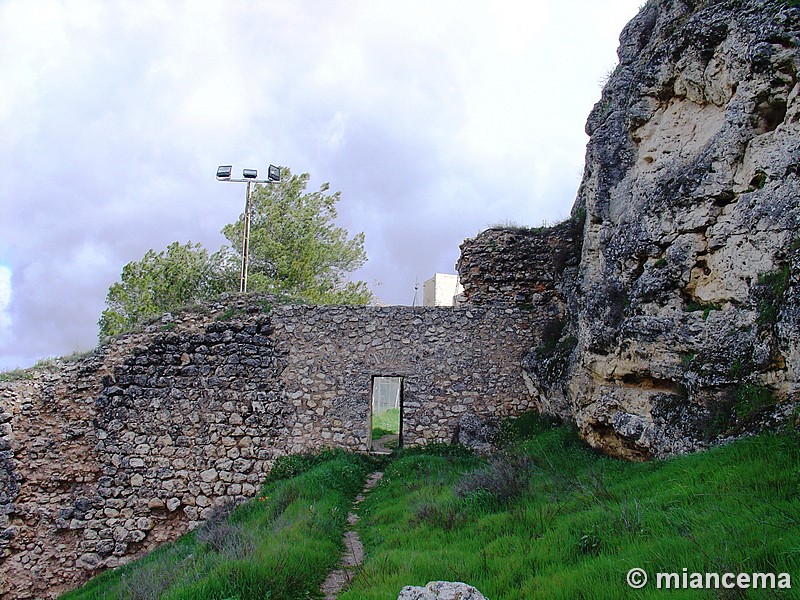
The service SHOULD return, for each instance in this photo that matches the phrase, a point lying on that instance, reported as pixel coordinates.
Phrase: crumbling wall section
(520, 266)
(103, 459)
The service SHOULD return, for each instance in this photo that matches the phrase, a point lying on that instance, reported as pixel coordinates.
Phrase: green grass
(385, 423)
(773, 284)
(582, 521)
(280, 545)
(546, 518)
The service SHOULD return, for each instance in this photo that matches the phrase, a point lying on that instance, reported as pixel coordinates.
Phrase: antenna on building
(416, 289)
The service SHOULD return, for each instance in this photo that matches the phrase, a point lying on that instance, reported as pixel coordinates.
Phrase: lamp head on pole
(274, 173)
(224, 173)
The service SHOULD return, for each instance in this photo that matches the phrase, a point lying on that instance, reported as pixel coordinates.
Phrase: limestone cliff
(683, 317)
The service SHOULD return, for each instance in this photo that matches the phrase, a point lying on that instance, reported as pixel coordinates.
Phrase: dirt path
(353, 555)
(386, 444)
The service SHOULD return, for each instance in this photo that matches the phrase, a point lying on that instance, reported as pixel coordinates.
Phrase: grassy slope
(550, 520)
(582, 521)
(279, 546)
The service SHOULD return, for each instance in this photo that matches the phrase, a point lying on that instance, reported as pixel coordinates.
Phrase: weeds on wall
(771, 288)
(51, 365)
(751, 399)
(16, 375)
(699, 305)
(513, 226)
(550, 336)
(736, 410)
(552, 356)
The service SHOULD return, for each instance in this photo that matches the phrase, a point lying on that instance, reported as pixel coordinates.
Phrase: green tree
(163, 281)
(296, 249)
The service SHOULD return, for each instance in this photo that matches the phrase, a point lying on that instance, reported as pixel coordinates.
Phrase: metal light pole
(249, 176)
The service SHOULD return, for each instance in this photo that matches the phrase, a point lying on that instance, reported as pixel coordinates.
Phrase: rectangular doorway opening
(386, 425)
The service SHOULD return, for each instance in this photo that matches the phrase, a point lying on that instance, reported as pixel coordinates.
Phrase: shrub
(504, 479)
(224, 537)
(148, 584)
(445, 517)
(590, 541)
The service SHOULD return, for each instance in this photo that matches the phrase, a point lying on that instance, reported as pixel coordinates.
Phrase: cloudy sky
(434, 118)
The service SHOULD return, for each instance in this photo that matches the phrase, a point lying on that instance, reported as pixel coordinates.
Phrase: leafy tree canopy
(295, 248)
(296, 251)
(160, 282)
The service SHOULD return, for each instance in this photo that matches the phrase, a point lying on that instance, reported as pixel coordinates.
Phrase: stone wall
(104, 458)
(519, 266)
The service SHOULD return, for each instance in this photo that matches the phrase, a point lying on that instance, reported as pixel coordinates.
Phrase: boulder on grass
(441, 590)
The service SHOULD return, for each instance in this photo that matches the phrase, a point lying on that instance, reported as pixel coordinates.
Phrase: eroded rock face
(687, 320)
(682, 317)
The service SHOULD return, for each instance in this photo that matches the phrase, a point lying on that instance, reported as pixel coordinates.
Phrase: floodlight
(250, 177)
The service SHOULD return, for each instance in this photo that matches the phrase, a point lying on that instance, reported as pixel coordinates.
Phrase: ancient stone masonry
(522, 267)
(104, 458)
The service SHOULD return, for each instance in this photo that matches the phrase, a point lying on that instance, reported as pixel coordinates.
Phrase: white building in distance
(442, 289)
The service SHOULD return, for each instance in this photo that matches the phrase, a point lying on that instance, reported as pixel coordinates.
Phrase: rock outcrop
(682, 320)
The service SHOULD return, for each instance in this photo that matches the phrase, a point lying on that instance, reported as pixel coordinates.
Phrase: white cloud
(5, 299)
(434, 119)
